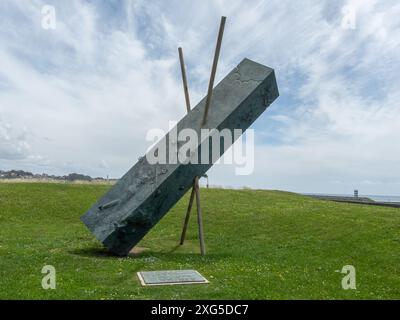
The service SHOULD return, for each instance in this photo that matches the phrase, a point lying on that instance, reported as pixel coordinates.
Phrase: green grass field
(260, 245)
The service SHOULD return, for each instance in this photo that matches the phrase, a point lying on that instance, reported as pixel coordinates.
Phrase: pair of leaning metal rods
(195, 187)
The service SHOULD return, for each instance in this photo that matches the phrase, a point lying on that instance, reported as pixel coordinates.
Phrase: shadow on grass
(93, 252)
(170, 255)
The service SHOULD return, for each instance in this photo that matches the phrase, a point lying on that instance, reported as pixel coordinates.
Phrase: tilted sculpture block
(123, 216)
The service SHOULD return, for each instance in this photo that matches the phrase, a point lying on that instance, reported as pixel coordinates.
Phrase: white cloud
(13, 143)
(88, 91)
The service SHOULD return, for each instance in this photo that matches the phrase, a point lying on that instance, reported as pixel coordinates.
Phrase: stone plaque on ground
(169, 277)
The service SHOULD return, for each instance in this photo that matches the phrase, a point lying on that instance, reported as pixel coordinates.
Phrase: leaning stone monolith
(123, 216)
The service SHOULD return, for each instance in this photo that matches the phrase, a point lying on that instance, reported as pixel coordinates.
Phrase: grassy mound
(260, 245)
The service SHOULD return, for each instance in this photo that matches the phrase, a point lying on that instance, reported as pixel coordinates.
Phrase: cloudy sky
(81, 97)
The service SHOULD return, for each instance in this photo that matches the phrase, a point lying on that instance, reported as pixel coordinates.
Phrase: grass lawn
(260, 245)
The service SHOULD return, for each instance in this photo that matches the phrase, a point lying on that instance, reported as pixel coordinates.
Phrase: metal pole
(189, 209)
(214, 69)
(199, 216)
(184, 80)
(195, 187)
